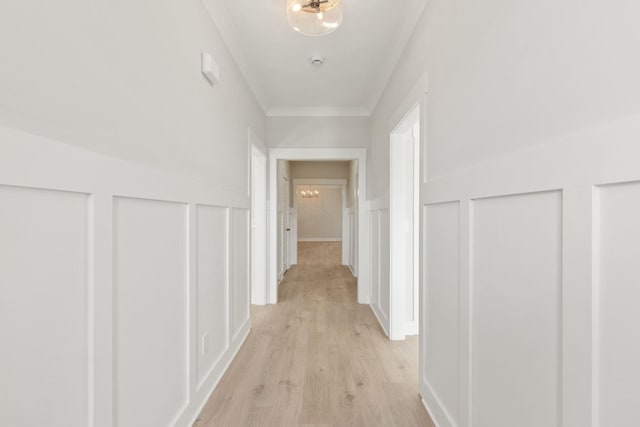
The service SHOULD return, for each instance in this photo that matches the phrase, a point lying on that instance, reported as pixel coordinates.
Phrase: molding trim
(438, 413)
(318, 112)
(381, 318)
(230, 356)
(352, 272)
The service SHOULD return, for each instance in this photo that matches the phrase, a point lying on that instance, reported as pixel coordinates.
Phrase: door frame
(403, 139)
(258, 192)
(318, 154)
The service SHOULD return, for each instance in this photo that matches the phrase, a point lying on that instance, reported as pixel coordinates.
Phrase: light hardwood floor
(318, 358)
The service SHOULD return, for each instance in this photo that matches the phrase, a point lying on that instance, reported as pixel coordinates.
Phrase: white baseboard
(435, 408)
(411, 328)
(351, 269)
(320, 239)
(380, 316)
(232, 352)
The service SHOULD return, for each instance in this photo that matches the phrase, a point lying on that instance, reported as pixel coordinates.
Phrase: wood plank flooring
(318, 358)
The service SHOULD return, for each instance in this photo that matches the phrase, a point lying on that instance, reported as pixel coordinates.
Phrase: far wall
(319, 170)
(321, 218)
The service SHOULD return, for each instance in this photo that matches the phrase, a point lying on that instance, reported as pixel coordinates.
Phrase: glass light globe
(314, 17)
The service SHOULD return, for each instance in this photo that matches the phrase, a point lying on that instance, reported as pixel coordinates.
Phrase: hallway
(318, 358)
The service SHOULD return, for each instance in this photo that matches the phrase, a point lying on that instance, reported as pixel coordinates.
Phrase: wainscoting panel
(44, 296)
(618, 299)
(374, 223)
(517, 331)
(441, 308)
(151, 299)
(379, 261)
(239, 271)
(353, 243)
(385, 256)
(111, 275)
(212, 287)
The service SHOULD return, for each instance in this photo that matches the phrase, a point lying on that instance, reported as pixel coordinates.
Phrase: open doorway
(281, 160)
(405, 223)
(321, 211)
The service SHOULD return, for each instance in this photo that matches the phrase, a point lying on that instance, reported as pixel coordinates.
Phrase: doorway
(320, 214)
(405, 224)
(318, 154)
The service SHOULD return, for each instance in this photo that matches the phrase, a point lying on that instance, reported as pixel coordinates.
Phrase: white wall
(320, 218)
(318, 132)
(531, 133)
(124, 289)
(124, 79)
(505, 76)
(123, 280)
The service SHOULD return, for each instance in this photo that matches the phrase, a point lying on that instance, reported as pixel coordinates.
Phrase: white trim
(318, 112)
(359, 154)
(243, 334)
(382, 319)
(258, 226)
(353, 273)
(403, 148)
(411, 327)
(413, 99)
(320, 239)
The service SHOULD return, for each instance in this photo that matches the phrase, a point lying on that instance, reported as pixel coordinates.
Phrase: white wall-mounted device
(210, 69)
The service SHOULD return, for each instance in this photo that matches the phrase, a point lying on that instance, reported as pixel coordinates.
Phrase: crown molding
(392, 60)
(318, 112)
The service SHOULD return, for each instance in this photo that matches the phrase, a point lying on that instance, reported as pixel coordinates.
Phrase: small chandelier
(309, 194)
(314, 17)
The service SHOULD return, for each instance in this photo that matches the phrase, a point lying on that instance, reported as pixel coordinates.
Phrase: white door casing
(359, 154)
(258, 191)
(404, 152)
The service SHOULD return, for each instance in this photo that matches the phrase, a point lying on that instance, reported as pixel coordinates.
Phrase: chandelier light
(314, 17)
(309, 194)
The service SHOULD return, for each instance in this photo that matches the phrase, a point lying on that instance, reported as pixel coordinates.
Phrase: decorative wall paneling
(350, 234)
(124, 290)
(530, 289)
(378, 226)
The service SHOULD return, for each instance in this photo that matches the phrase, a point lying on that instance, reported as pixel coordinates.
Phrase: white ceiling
(359, 56)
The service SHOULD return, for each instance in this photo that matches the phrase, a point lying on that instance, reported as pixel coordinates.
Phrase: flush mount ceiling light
(314, 17)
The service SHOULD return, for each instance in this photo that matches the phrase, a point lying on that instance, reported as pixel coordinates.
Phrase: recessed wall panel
(151, 294)
(43, 308)
(375, 259)
(441, 302)
(619, 302)
(212, 291)
(240, 297)
(384, 279)
(516, 288)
